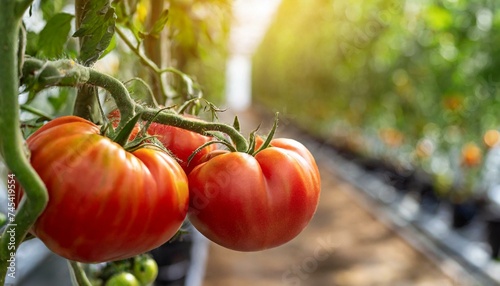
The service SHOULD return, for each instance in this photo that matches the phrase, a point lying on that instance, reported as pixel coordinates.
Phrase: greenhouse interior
(250, 142)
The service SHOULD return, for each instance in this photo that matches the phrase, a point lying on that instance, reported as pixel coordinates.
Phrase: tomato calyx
(256, 143)
(123, 134)
(140, 139)
(199, 149)
(253, 138)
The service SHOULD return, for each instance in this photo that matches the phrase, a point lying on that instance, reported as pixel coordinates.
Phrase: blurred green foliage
(199, 33)
(195, 32)
(413, 81)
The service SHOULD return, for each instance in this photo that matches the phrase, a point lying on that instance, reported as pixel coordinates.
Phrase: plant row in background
(413, 83)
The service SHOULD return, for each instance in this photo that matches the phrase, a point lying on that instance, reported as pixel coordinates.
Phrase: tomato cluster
(106, 203)
(141, 270)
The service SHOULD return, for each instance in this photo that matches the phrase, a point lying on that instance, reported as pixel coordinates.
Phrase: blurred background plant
(184, 40)
(415, 83)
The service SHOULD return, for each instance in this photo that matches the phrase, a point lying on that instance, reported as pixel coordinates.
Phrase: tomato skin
(104, 203)
(250, 203)
(181, 142)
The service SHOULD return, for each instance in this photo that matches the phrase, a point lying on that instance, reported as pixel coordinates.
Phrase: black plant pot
(493, 236)
(463, 213)
(173, 259)
(429, 201)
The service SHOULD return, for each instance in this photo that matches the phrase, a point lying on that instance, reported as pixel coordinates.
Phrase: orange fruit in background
(471, 155)
(392, 137)
(491, 138)
(453, 102)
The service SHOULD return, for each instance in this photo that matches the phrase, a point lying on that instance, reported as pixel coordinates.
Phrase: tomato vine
(38, 75)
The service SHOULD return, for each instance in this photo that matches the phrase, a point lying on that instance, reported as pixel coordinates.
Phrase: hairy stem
(41, 74)
(173, 119)
(11, 141)
(68, 73)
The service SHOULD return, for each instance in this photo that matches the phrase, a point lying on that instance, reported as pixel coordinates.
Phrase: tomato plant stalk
(11, 141)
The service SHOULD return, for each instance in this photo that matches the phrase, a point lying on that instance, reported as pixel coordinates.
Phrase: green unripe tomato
(123, 279)
(146, 270)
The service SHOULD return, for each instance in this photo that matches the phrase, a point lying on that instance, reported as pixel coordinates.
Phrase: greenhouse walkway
(346, 243)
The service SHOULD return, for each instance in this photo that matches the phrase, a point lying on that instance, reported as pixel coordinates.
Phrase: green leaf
(53, 37)
(31, 43)
(236, 124)
(159, 25)
(111, 46)
(96, 30)
(269, 136)
(438, 18)
(51, 7)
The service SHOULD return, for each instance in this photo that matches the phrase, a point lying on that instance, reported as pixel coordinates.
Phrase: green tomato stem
(41, 74)
(78, 274)
(68, 73)
(118, 91)
(11, 141)
(201, 127)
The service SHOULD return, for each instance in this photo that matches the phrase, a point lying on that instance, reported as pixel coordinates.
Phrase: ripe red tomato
(251, 203)
(182, 143)
(104, 203)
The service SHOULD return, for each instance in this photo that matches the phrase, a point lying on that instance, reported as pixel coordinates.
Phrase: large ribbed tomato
(251, 203)
(104, 203)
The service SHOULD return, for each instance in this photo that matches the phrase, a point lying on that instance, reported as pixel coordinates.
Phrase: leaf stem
(146, 61)
(37, 112)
